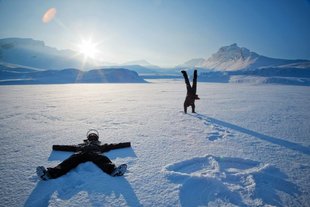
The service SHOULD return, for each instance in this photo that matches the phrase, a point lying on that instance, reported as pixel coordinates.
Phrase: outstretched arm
(69, 148)
(108, 147)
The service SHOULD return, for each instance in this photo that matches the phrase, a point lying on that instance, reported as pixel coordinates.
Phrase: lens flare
(49, 15)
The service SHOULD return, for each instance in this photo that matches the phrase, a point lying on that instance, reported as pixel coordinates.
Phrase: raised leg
(188, 85)
(195, 82)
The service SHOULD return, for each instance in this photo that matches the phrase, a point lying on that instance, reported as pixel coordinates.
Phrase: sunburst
(88, 48)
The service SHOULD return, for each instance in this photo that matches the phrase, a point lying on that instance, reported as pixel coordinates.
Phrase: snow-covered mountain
(34, 53)
(143, 63)
(27, 52)
(195, 62)
(233, 57)
(230, 58)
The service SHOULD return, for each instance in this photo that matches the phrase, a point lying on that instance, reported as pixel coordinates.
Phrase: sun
(88, 48)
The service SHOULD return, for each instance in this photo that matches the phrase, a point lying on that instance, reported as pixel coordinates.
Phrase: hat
(92, 135)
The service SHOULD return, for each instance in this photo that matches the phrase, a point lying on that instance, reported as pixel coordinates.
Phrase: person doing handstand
(90, 150)
(191, 95)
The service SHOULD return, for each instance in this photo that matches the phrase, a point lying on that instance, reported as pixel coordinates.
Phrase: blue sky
(164, 32)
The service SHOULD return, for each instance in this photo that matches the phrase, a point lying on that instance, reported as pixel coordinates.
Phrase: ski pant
(103, 162)
(191, 91)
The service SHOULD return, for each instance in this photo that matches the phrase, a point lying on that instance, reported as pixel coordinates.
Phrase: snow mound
(229, 181)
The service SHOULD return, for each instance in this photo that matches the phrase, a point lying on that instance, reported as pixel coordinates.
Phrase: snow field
(248, 145)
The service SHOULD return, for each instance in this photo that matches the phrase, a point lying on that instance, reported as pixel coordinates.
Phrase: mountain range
(32, 56)
(234, 58)
(14, 76)
(33, 53)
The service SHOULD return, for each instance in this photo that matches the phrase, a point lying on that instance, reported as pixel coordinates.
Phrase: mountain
(27, 52)
(23, 54)
(233, 58)
(10, 75)
(240, 65)
(196, 62)
(143, 63)
(137, 68)
(34, 53)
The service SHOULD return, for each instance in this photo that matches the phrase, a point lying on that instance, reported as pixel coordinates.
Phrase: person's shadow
(86, 178)
(274, 140)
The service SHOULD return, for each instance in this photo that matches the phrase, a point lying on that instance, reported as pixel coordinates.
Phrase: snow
(248, 145)
(251, 79)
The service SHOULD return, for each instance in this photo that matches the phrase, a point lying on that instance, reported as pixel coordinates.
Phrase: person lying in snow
(90, 150)
(191, 95)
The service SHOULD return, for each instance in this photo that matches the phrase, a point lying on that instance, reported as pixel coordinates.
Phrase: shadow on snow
(87, 179)
(281, 142)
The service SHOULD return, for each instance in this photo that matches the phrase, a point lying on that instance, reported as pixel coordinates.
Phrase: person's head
(92, 135)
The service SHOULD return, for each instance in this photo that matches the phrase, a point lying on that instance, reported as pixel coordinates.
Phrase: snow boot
(119, 171)
(42, 173)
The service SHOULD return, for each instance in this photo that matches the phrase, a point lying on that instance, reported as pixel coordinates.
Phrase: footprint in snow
(223, 181)
(216, 132)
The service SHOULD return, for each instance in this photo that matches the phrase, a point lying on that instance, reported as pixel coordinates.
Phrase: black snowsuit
(191, 95)
(87, 151)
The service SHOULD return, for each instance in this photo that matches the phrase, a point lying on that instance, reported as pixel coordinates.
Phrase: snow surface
(248, 145)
